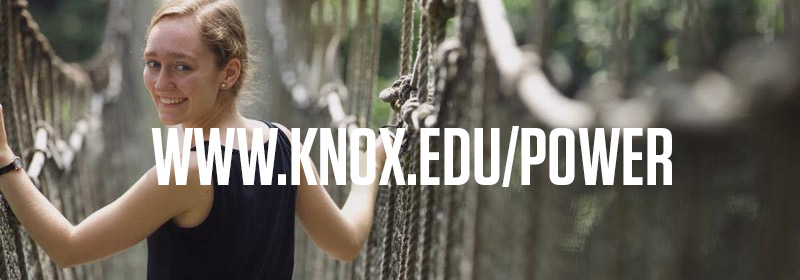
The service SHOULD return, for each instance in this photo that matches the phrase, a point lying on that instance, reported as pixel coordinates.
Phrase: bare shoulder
(252, 125)
(185, 197)
(194, 200)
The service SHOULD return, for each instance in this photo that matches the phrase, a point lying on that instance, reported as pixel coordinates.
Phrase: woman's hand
(339, 232)
(6, 155)
(119, 225)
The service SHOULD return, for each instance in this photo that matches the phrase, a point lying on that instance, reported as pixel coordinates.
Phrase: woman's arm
(340, 233)
(117, 226)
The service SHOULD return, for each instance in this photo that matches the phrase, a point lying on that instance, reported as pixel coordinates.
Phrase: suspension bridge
(731, 212)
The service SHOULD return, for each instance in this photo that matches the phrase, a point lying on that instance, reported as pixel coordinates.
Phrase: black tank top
(249, 233)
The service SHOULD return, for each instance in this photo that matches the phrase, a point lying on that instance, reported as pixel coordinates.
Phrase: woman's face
(180, 71)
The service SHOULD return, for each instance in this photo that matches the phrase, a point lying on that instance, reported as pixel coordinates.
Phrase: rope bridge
(728, 214)
(54, 108)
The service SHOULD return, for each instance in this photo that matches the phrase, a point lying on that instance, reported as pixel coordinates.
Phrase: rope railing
(520, 72)
(419, 232)
(427, 232)
(53, 109)
(294, 73)
(63, 151)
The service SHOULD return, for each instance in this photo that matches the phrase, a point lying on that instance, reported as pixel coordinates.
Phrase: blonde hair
(221, 28)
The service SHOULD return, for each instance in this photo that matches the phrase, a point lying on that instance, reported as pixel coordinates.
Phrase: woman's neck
(222, 117)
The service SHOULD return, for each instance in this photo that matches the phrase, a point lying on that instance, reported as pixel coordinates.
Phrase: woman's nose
(164, 81)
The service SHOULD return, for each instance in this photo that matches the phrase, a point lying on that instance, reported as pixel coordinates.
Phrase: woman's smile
(171, 102)
(179, 66)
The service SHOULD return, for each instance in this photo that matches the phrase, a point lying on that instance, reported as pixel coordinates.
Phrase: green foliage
(73, 27)
(582, 32)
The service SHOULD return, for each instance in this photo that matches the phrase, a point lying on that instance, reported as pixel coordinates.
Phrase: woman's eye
(153, 64)
(182, 67)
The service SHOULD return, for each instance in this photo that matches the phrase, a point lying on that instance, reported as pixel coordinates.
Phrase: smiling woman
(182, 74)
(184, 71)
(195, 63)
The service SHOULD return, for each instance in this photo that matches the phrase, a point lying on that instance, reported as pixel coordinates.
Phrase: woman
(196, 62)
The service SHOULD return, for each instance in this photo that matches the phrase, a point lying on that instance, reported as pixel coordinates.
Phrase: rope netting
(702, 225)
(738, 118)
(54, 108)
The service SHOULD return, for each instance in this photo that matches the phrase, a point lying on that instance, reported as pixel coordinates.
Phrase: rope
(375, 59)
(355, 62)
(413, 202)
(388, 232)
(36, 86)
(439, 12)
(10, 242)
(406, 39)
(430, 232)
(421, 64)
(398, 93)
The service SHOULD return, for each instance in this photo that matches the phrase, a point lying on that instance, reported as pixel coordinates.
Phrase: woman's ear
(231, 73)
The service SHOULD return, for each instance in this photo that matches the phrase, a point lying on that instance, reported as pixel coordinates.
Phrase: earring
(223, 85)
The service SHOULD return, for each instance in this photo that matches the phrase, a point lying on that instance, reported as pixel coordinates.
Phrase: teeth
(171, 100)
